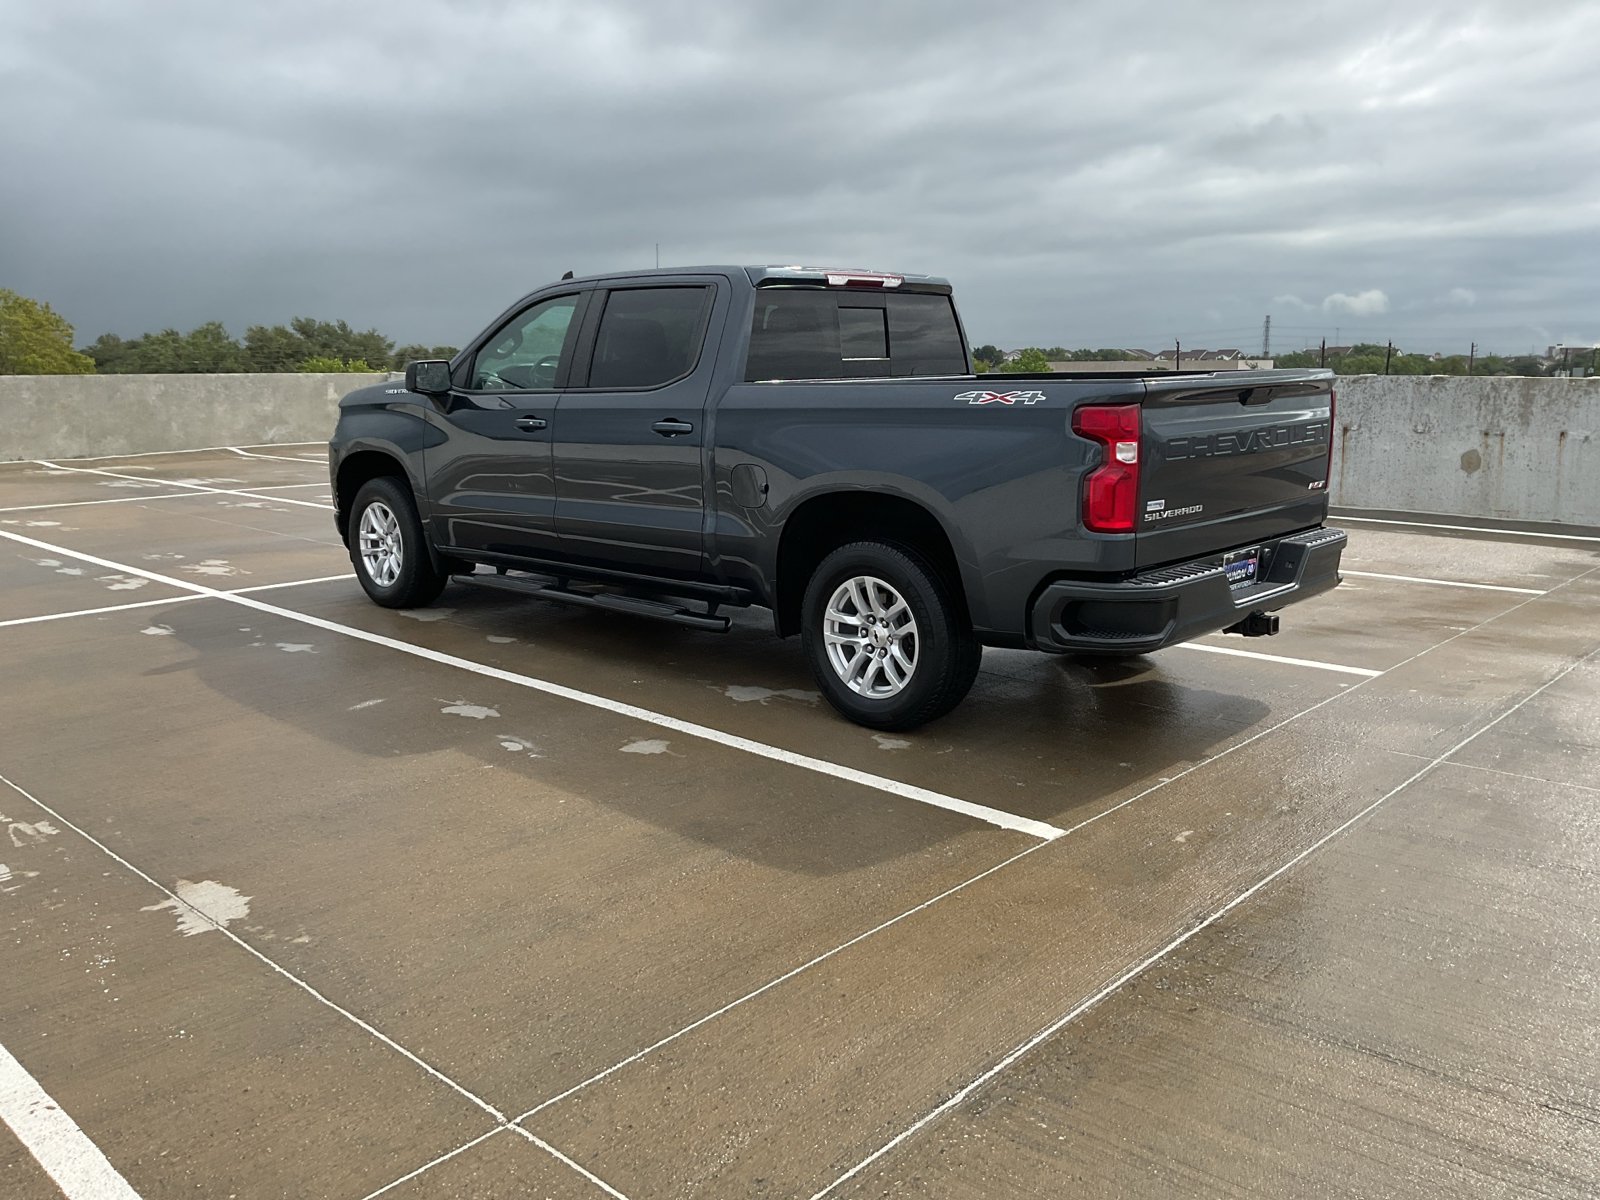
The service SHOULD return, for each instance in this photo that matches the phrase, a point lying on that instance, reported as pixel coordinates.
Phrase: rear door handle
(672, 427)
(530, 424)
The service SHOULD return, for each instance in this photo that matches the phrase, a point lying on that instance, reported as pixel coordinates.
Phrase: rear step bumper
(1175, 603)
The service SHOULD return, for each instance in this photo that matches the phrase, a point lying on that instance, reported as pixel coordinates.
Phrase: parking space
(498, 898)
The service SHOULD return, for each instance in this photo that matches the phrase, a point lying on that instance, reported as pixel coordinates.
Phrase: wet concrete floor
(303, 897)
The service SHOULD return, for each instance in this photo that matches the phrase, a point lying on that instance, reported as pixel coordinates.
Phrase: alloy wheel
(871, 637)
(382, 550)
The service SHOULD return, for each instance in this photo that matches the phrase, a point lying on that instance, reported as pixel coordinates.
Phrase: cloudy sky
(1086, 174)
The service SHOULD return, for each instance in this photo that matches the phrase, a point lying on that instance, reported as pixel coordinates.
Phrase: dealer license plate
(1240, 566)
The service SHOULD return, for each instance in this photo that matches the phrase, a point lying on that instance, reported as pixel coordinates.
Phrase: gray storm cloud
(1092, 174)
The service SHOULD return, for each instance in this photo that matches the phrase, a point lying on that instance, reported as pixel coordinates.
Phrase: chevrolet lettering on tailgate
(1248, 441)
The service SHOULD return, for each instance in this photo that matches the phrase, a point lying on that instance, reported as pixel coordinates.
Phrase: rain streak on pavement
(306, 897)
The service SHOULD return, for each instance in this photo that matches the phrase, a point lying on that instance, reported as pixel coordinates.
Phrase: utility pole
(1472, 356)
(658, 256)
(1266, 338)
(1387, 354)
(1177, 356)
(1323, 361)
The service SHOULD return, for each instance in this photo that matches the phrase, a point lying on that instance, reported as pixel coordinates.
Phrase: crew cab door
(490, 481)
(630, 429)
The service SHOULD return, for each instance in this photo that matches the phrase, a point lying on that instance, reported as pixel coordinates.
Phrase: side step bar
(660, 610)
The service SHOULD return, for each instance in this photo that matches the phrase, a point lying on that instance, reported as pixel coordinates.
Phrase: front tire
(885, 639)
(388, 547)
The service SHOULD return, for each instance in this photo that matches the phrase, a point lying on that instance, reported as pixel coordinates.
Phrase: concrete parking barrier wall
(1505, 447)
(95, 416)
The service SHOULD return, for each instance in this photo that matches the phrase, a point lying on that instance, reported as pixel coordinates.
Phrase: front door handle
(530, 424)
(672, 427)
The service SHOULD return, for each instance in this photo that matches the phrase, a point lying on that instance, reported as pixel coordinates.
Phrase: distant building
(1212, 360)
(1199, 360)
(1095, 367)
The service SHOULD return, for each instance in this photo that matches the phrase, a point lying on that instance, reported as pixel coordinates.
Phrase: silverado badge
(1001, 397)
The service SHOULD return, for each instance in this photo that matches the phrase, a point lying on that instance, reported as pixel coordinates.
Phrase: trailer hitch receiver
(1257, 624)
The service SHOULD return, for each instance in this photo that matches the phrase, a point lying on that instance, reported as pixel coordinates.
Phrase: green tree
(37, 340)
(204, 349)
(1031, 359)
(986, 358)
(1299, 358)
(1097, 356)
(323, 363)
(110, 354)
(417, 351)
(276, 348)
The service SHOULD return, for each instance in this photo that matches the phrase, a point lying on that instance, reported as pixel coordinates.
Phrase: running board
(632, 605)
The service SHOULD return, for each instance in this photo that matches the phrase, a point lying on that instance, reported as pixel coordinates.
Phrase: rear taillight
(1111, 492)
(1327, 474)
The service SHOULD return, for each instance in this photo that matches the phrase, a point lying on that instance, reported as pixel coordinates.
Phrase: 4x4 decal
(1001, 397)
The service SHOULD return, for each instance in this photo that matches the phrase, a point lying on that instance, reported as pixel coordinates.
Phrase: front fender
(375, 423)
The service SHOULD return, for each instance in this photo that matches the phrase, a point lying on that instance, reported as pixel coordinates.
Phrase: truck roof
(772, 275)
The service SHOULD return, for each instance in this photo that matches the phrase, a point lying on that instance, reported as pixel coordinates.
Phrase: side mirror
(430, 376)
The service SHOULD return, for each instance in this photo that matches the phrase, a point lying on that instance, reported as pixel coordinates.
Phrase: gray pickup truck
(670, 444)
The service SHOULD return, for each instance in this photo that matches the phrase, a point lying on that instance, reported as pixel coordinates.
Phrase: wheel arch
(821, 524)
(355, 469)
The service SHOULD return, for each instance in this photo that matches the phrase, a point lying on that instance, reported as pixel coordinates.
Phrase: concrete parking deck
(304, 897)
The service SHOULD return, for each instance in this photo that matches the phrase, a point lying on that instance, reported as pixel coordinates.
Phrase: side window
(526, 354)
(648, 336)
(924, 338)
(811, 334)
(795, 335)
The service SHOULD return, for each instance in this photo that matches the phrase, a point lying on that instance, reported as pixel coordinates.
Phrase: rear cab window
(812, 333)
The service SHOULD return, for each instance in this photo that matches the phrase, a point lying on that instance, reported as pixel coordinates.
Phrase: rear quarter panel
(1001, 478)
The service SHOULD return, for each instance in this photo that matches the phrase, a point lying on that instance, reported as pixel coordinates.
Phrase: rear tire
(388, 548)
(886, 641)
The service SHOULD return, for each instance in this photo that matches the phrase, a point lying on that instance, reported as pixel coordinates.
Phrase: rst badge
(1001, 397)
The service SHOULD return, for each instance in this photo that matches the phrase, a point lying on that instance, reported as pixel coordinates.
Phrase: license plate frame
(1242, 567)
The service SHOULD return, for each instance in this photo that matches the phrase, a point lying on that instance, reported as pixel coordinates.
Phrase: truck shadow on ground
(1043, 737)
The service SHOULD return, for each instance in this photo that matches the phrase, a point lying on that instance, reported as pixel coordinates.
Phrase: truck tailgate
(1227, 463)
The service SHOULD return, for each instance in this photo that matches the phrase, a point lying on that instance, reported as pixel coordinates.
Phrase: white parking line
(1278, 658)
(1133, 972)
(54, 1139)
(312, 461)
(1566, 537)
(196, 488)
(184, 599)
(1226, 751)
(94, 612)
(1487, 587)
(185, 495)
(365, 1026)
(893, 787)
(272, 587)
(196, 450)
(108, 500)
